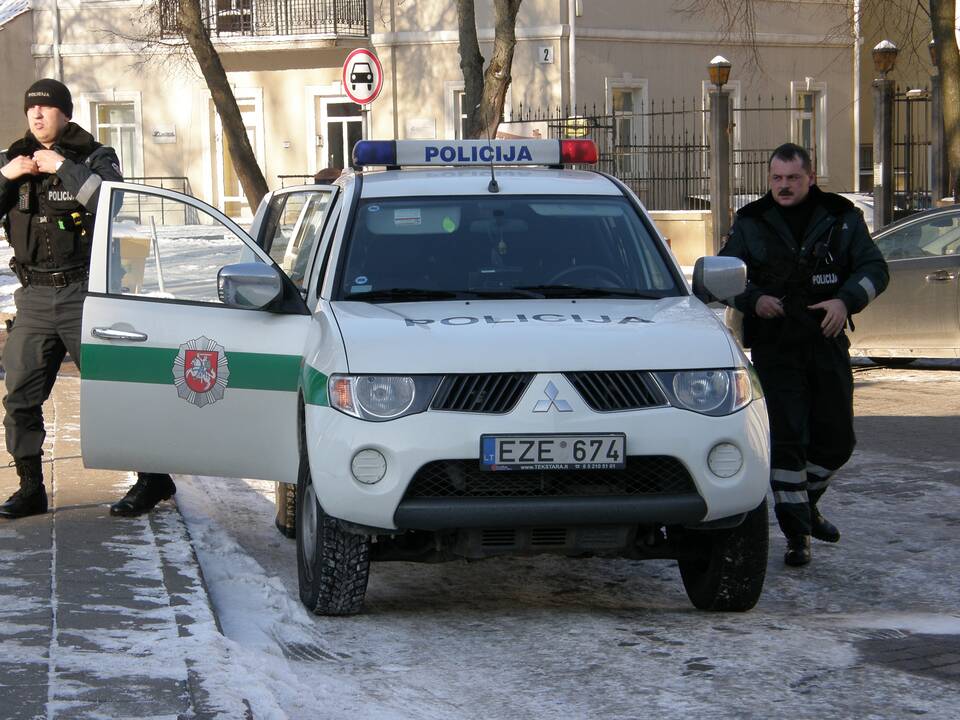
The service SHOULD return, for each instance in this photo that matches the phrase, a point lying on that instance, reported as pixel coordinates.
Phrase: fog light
(369, 466)
(725, 460)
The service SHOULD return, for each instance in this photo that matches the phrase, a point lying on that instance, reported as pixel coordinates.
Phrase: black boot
(823, 529)
(149, 489)
(31, 498)
(798, 550)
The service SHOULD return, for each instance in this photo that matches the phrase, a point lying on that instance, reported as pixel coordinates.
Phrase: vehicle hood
(532, 336)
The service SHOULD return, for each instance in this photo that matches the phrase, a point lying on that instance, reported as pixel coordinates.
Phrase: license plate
(553, 452)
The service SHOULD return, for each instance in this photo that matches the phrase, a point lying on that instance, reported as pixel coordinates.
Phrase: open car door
(173, 379)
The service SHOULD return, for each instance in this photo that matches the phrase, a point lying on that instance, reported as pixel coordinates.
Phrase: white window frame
(451, 124)
(330, 92)
(88, 119)
(254, 94)
(640, 88)
(819, 90)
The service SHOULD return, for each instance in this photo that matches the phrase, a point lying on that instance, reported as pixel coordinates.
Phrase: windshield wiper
(504, 293)
(402, 295)
(565, 291)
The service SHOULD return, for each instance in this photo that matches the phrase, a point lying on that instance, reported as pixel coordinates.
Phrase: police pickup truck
(488, 354)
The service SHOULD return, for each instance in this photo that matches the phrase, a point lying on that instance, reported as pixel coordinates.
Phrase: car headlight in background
(710, 392)
(381, 397)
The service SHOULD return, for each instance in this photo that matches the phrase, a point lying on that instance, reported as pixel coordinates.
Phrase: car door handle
(941, 276)
(106, 333)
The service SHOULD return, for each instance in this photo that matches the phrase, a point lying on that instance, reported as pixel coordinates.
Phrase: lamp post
(884, 60)
(719, 71)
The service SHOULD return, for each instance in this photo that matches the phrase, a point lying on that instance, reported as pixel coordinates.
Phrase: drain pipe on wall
(857, 42)
(57, 60)
(572, 52)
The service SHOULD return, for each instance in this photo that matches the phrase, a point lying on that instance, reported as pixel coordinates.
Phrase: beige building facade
(150, 102)
(18, 67)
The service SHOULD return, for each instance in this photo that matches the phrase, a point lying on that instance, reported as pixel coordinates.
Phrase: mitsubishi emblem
(551, 392)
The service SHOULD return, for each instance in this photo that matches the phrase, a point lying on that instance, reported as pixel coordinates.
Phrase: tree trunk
(943, 18)
(471, 64)
(484, 92)
(241, 153)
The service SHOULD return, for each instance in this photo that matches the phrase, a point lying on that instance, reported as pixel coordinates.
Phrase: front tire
(333, 565)
(724, 569)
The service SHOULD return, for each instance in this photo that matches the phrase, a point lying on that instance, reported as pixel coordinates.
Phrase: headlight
(381, 397)
(709, 392)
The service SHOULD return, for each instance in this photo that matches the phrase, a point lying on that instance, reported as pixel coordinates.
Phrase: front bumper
(410, 443)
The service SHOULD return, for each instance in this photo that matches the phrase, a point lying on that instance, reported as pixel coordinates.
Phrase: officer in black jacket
(49, 186)
(811, 264)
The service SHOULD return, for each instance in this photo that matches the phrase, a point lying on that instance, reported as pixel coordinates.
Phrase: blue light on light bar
(375, 152)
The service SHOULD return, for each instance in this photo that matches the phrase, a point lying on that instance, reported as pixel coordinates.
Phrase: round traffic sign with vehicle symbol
(362, 76)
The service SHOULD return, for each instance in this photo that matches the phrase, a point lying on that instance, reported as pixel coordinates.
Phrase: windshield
(409, 249)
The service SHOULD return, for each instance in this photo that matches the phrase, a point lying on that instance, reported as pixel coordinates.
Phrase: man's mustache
(784, 193)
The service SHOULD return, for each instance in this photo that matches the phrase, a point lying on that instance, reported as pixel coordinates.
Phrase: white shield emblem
(200, 371)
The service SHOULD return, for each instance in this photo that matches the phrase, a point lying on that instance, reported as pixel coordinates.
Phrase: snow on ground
(551, 637)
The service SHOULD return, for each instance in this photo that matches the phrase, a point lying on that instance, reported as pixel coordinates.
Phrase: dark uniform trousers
(47, 325)
(809, 396)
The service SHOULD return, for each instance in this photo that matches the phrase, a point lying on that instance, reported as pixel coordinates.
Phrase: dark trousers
(47, 326)
(809, 395)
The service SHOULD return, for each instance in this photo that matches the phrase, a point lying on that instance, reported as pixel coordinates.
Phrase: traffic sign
(362, 76)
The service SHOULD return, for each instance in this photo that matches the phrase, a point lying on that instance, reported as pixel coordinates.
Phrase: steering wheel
(605, 272)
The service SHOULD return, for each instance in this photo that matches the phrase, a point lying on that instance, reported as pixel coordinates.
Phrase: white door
(341, 125)
(172, 379)
(233, 201)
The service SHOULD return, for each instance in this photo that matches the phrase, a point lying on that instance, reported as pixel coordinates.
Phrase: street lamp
(884, 58)
(719, 69)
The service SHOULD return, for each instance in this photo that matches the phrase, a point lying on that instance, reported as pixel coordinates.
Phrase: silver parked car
(919, 314)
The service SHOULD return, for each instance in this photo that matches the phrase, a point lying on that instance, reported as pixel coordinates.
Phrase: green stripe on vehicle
(248, 371)
(314, 386)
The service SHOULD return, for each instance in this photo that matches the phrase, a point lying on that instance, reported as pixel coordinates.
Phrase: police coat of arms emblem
(200, 371)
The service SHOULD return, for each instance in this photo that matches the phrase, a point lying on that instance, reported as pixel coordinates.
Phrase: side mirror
(718, 278)
(249, 286)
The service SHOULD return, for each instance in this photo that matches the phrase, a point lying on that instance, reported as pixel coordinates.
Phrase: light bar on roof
(472, 152)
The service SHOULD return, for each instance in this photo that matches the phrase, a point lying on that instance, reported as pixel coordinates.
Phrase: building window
(626, 102)
(115, 124)
(460, 115)
(866, 168)
(809, 122)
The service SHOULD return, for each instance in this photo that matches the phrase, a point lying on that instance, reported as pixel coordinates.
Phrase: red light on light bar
(578, 151)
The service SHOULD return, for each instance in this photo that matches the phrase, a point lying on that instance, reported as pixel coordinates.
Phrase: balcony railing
(271, 18)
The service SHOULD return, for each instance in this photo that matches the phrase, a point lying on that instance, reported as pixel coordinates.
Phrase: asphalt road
(871, 629)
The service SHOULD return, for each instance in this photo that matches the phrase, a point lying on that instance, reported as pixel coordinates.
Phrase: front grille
(617, 390)
(643, 475)
(488, 393)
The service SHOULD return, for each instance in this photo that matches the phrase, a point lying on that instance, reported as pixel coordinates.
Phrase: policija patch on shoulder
(201, 371)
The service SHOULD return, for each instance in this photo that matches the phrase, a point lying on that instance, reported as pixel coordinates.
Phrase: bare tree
(943, 19)
(155, 41)
(197, 35)
(484, 91)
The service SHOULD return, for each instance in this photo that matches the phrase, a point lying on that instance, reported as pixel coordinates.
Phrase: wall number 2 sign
(545, 55)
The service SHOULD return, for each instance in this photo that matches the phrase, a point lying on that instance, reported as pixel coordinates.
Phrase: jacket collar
(832, 203)
(74, 142)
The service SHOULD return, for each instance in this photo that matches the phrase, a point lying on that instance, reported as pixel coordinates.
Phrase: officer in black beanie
(49, 187)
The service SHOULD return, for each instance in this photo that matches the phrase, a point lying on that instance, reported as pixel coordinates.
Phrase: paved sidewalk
(99, 616)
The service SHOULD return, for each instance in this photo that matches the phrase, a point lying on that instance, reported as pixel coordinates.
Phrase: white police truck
(488, 354)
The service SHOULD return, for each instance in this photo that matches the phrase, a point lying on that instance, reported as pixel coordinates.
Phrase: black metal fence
(139, 207)
(346, 18)
(661, 150)
(911, 151)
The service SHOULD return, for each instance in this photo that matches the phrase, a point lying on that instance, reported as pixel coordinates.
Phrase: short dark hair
(788, 152)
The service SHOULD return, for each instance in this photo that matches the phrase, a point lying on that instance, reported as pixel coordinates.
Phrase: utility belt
(50, 278)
